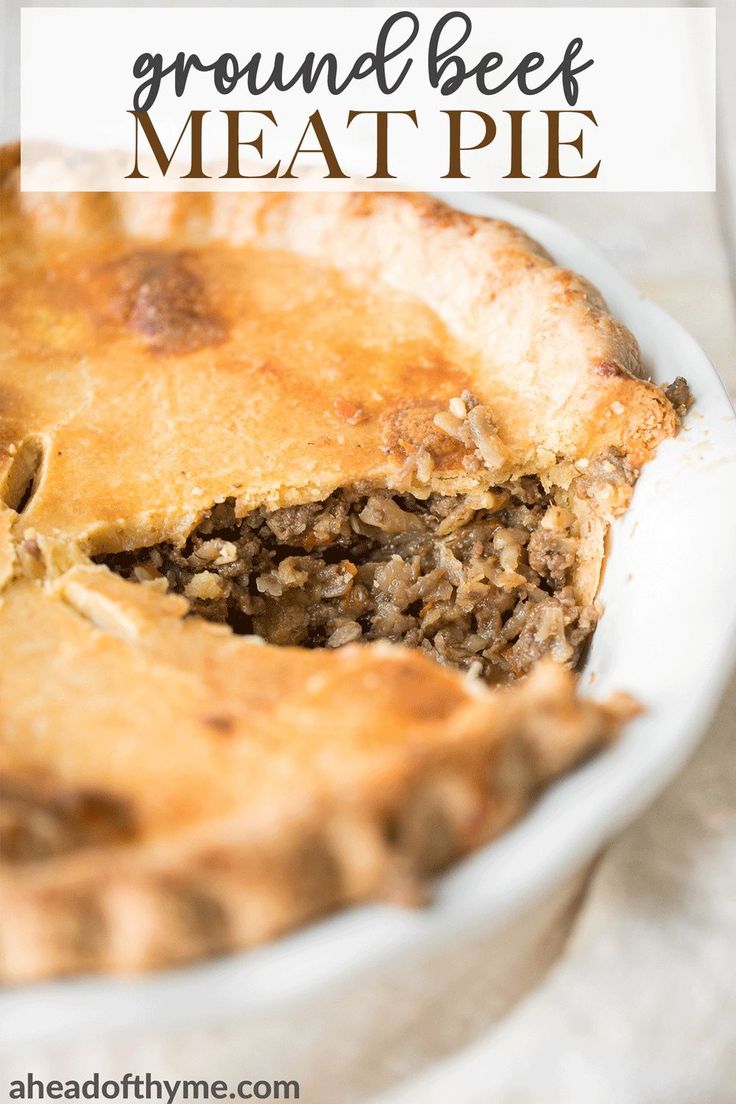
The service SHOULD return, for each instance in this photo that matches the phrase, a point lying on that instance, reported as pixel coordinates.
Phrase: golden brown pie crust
(175, 790)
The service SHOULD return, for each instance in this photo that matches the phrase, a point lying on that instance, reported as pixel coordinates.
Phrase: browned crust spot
(348, 411)
(220, 723)
(40, 819)
(611, 369)
(159, 296)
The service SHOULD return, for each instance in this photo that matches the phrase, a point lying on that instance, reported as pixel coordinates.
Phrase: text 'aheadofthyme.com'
(146, 1087)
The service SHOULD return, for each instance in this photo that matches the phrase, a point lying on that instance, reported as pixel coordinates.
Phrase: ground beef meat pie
(304, 506)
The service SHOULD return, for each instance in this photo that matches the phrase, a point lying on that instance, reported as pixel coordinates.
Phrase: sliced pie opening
(483, 581)
(23, 475)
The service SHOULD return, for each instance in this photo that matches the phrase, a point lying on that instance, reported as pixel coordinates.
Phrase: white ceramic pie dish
(668, 636)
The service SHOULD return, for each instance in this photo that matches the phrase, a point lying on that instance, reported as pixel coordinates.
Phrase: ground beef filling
(482, 582)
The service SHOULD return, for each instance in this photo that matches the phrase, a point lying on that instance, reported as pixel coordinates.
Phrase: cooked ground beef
(678, 392)
(480, 582)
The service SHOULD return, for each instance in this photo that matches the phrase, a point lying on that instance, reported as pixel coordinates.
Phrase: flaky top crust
(163, 352)
(191, 791)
